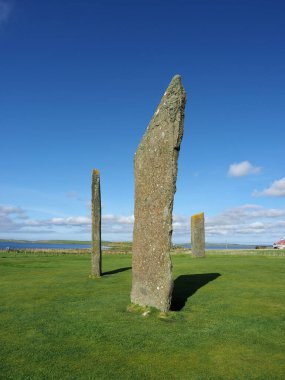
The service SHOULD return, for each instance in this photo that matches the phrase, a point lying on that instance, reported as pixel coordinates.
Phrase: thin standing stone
(198, 235)
(96, 257)
(155, 185)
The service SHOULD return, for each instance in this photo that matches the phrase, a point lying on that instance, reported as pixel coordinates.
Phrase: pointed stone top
(176, 77)
(175, 87)
(176, 81)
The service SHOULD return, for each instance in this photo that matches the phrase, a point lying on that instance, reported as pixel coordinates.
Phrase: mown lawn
(228, 320)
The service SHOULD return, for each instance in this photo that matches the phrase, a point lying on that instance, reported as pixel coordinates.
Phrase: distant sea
(39, 245)
(36, 245)
(224, 246)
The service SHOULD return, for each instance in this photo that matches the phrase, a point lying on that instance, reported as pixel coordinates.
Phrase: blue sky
(79, 83)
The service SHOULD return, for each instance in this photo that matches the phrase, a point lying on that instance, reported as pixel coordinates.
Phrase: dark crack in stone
(155, 186)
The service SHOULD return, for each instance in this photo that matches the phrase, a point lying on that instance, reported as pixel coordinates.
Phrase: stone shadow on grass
(116, 271)
(186, 285)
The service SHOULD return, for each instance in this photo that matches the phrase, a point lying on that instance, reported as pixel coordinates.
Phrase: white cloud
(118, 224)
(249, 222)
(277, 189)
(5, 10)
(14, 219)
(10, 210)
(242, 169)
(179, 219)
(11, 217)
(70, 221)
(257, 222)
(126, 219)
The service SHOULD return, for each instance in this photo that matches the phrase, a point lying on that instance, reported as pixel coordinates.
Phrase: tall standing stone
(198, 235)
(155, 185)
(96, 257)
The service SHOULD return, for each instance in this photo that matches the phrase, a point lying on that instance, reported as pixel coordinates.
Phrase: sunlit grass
(57, 323)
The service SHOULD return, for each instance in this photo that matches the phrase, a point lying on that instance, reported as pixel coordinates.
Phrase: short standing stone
(96, 260)
(155, 185)
(198, 235)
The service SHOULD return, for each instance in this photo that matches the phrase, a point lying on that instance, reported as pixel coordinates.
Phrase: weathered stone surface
(96, 257)
(155, 185)
(198, 235)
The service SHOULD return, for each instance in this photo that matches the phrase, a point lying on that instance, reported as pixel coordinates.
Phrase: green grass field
(57, 323)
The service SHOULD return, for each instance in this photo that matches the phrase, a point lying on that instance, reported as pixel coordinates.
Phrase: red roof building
(279, 244)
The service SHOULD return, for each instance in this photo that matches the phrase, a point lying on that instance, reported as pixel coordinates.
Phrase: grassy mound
(227, 320)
